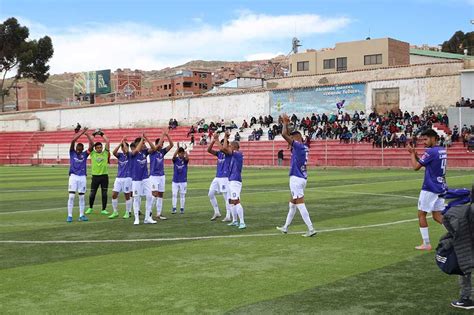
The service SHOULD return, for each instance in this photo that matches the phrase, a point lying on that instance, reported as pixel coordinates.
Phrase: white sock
(214, 204)
(305, 215)
(228, 211)
(128, 205)
(240, 213)
(148, 205)
(291, 214)
(115, 204)
(233, 210)
(159, 205)
(182, 200)
(136, 206)
(425, 235)
(82, 204)
(174, 200)
(70, 204)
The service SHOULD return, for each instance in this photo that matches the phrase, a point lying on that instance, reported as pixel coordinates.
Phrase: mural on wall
(320, 100)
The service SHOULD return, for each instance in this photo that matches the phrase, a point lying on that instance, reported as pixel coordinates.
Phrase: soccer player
(298, 178)
(434, 184)
(123, 181)
(180, 178)
(235, 180)
(100, 173)
(140, 180)
(157, 172)
(220, 183)
(77, 174)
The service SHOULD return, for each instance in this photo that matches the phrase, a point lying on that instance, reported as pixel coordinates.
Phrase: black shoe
(466, 304)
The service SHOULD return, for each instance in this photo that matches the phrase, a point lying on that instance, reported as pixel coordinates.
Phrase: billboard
(92, 82)
(306, 101)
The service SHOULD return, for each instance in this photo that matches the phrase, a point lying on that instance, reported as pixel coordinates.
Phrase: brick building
(128, 83)
(32, 96)
(185, 82)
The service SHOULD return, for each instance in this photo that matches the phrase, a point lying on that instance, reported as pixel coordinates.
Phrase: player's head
(296, 136)
(133, 145)
(79, 148)
(98, 147)
(125, 145)
(235, 145)
(181, 152)
(431, 137)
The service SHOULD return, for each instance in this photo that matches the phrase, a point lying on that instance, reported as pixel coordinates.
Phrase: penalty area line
(198, 238)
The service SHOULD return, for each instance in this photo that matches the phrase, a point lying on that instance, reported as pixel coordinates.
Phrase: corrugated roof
(439, 54)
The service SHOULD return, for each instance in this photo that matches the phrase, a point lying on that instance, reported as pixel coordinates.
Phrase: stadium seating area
(52, 148)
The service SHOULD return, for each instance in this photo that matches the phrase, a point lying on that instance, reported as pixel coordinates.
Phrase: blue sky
(148, 34)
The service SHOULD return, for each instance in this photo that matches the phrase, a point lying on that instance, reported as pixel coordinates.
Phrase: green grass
(353, 271)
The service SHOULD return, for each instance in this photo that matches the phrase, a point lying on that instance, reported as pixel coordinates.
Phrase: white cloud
(138, 46)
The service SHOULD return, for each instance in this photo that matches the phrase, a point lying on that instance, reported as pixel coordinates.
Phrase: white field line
(198, 238)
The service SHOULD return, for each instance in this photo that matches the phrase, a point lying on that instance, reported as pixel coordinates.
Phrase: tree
(28, 58)
(458, 42)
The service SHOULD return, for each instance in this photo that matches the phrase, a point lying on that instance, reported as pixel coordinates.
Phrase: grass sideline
(209, 267)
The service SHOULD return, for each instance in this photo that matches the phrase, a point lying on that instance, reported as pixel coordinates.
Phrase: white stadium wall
(415, 94)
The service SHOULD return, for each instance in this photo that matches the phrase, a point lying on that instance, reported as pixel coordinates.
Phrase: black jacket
(459, 221)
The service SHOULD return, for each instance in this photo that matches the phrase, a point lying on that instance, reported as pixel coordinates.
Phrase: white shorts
(234, 190)
(219, 185)
(428, 202)
(181, 187)
(77, 183)
(123, 185)
(297, 186)
(157, 183)
(141, 188)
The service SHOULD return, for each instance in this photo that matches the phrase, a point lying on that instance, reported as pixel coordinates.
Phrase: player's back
(236, 166)
(299, 159)
(435, 162)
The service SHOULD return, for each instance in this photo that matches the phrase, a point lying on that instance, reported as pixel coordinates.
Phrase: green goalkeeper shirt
(100, 162)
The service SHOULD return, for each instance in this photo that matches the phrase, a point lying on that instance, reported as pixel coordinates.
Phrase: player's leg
(298, 186)
(159, 198)
(174, 196)
(94, 186)
(289, 217)
(225, 194)
(72, 187)
(236, 188)
(232, 196)
(426, 203)
(128, 197)
(136, 188)
(438, 209)
(82, 198)
(182, 195)
(212, 198)
(104, 185)
(149, 202)
(116, 190)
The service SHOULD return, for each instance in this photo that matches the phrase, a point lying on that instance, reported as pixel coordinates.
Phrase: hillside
(59, 87)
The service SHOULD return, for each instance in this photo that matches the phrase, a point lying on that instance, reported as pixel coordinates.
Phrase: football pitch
(362, 261)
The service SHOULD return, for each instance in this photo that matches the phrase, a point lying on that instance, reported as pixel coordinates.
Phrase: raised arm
(215, 139)
(150, 143)
(186, 156)
(414, 158)
(226, 147)
(285, 133)
(124, 147)
(107, 142)
(115, 152)
(76, 137)
(175, 154)
(170, 142)
(139, 146)
(91, 142)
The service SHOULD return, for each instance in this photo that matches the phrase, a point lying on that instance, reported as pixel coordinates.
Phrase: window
(187, 84)
(373, 59)
(328, 64)
(203, 75)
(203, 86)
(166, 86)
(291, 68)
(302, 66)
(341, 64)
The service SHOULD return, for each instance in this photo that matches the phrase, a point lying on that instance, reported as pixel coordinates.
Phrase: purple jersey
(157, 162)
(139, 170)
(235, 172)
(299, 158)
(78, 163)
(223, 164)
(180, 174)
(124, 165)
(434, 160)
